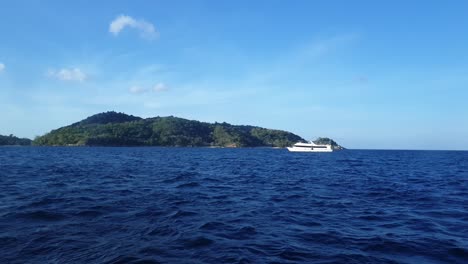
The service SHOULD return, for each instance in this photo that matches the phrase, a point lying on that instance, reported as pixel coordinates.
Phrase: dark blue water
(197, 205)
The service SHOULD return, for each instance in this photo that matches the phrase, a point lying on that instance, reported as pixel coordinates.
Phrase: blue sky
(370, 74)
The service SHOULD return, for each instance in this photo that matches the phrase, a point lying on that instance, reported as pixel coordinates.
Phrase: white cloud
(2, 67)
(72, 74)
(160, 87)
(147, 30)
(325, 46)
(137, 90)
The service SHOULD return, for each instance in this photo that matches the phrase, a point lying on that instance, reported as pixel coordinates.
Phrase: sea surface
(259, 205)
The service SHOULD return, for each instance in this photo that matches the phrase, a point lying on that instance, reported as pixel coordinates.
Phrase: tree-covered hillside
(118, 129)
(14, 141)
(327, 141)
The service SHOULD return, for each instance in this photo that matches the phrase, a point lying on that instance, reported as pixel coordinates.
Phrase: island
(328, 141)
(11, 140)
(120, 129)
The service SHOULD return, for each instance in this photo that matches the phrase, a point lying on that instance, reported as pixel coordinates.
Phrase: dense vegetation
(118, 129)
(327, 141)
(14, 141)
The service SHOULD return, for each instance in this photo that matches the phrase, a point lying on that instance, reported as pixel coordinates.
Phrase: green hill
(328, 141)
(14, 141)
(119, 129)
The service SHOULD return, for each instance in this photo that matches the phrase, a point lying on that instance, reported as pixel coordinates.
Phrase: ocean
(246, 205)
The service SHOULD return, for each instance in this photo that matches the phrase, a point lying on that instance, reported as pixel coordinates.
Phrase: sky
(369, 74)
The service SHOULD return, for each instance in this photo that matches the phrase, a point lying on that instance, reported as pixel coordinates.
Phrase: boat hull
(293, 149)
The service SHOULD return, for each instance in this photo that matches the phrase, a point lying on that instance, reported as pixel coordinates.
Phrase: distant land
(14, 141)
(119, 129)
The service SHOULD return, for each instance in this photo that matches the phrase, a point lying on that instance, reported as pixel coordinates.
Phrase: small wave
(246, 232)
(372, 218)
(8, 240)
(358, 259)
(391, 225)
(149, 213)
(57, 185)
(311, 224)
(41, 216)
(122, 260)
(211, 179)
(182, 213)
(152, 251)
(163, 231)
(213, 226)
(459, 252)
(145, 261)
(189, 185)
(328, 238)
(297, 255)
(46, 201)
(294, 196)
(196, 242)
(89, 213)
(183, 176)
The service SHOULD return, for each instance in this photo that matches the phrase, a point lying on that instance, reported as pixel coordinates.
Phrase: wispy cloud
(159, 87)
(68, 74)
(146, 29)
(2, 67)
(362, 79)
(323, 46)
(137, 90)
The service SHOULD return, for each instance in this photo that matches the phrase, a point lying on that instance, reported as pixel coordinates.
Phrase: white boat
(310, 147)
